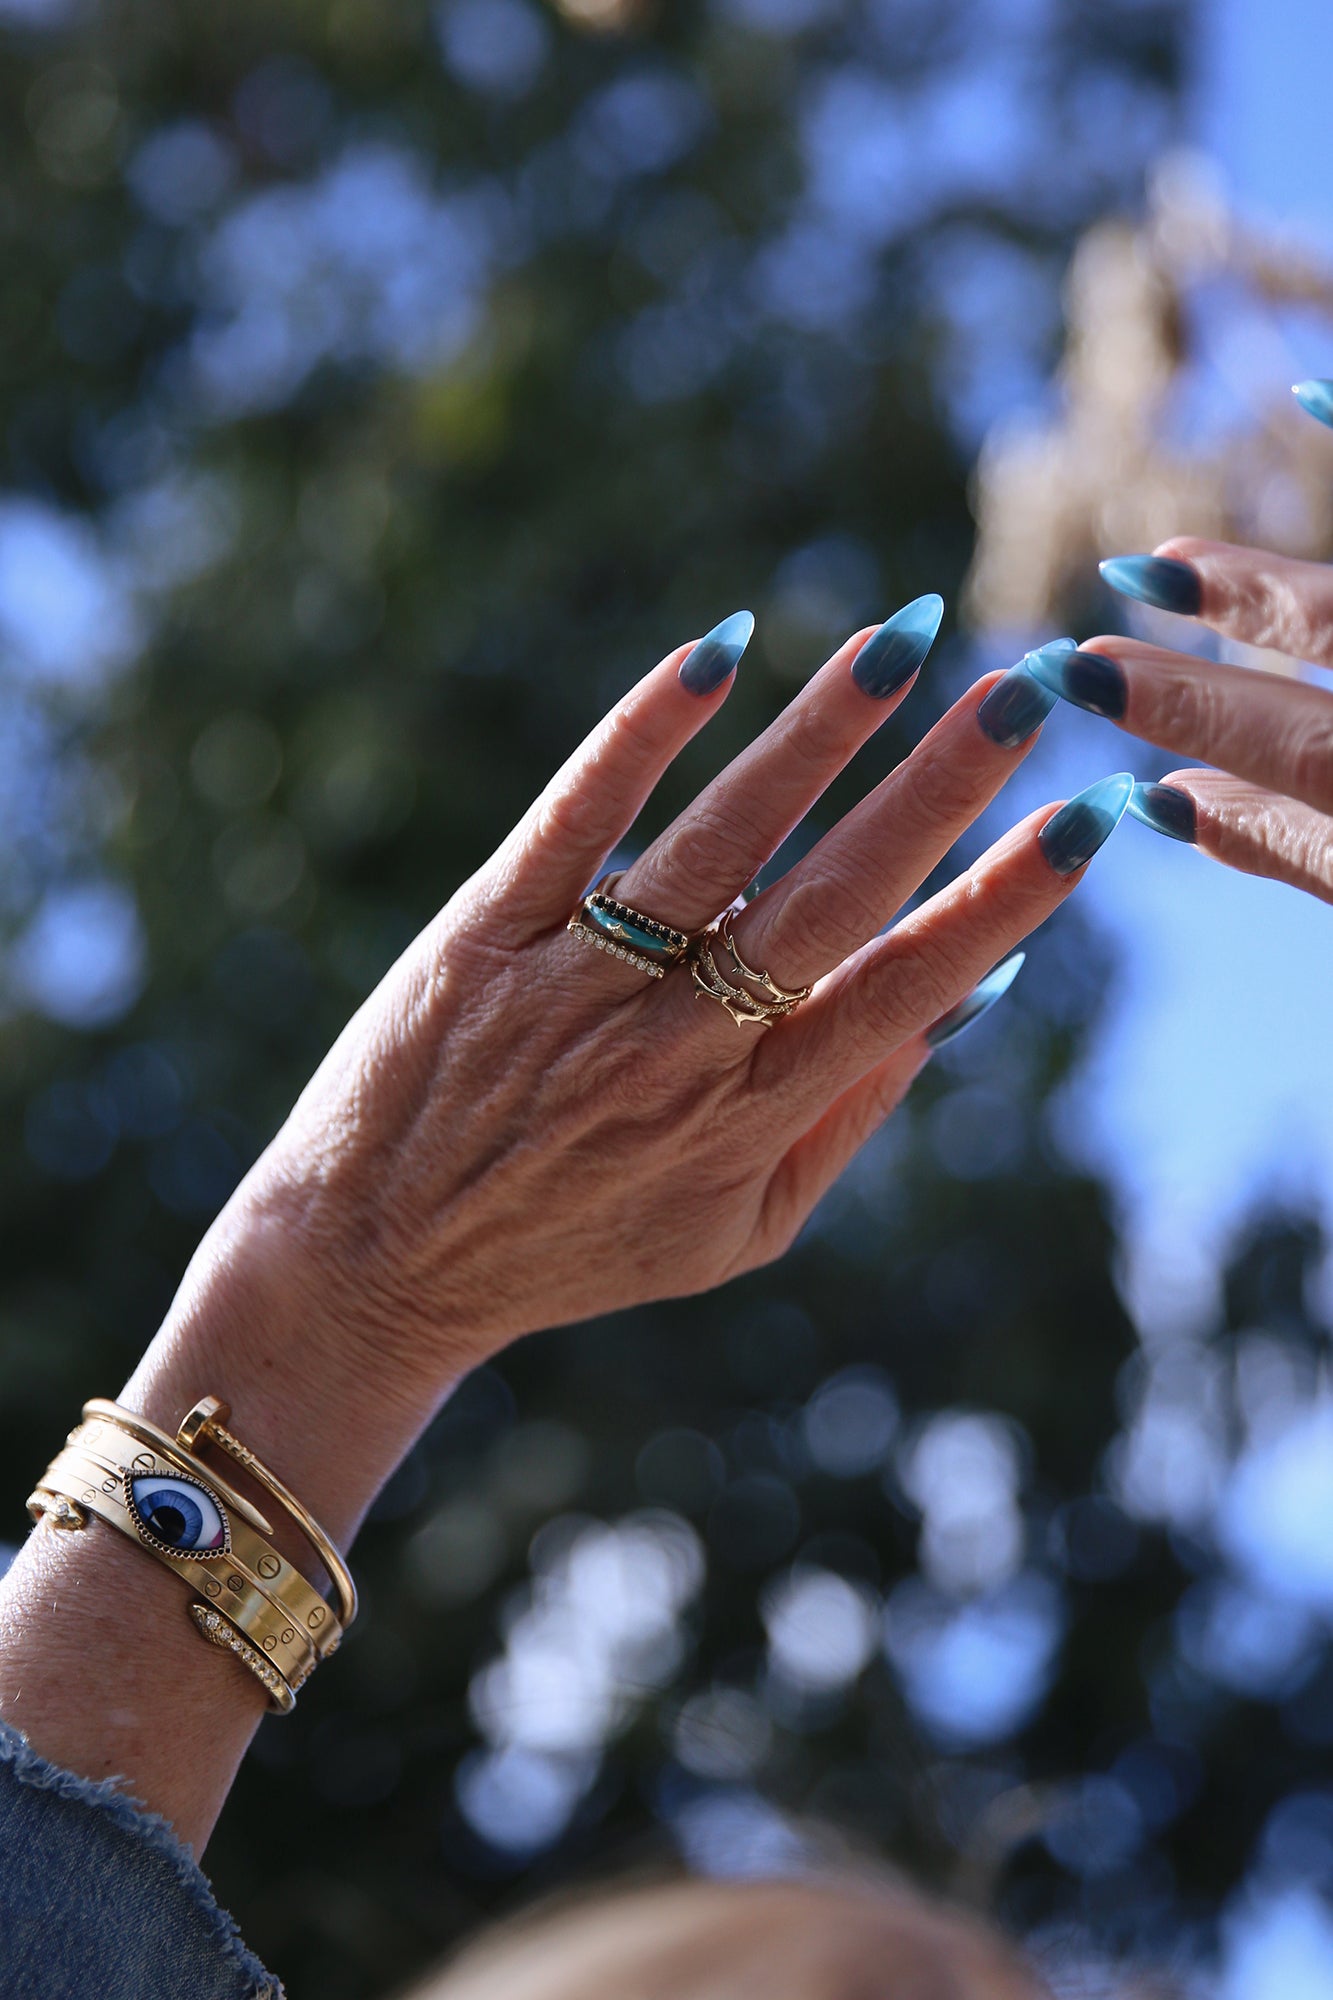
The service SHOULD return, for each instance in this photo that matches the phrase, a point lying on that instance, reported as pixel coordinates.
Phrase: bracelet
(156, 1489)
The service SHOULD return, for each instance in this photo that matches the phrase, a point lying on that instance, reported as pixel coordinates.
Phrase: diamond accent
(216, 1628)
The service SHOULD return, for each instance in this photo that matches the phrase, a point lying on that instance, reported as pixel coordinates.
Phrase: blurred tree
(382, 388)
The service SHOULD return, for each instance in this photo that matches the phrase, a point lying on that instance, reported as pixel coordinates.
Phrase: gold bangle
(69, 1496)
(270, 1601)
(254, 1602)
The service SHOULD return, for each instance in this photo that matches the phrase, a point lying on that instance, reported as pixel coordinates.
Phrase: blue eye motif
(178, 1513)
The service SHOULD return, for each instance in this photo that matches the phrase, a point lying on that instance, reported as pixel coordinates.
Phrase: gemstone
(632, 930)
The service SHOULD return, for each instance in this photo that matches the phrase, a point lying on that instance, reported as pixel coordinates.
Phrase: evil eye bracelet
(157, 1490)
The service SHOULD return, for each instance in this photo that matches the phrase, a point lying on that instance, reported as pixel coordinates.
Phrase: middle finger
(718, 844)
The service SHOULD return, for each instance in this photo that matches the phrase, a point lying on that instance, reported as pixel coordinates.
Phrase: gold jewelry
(254, 1602)
(644, 942)
(785, 996)
(744, 1007)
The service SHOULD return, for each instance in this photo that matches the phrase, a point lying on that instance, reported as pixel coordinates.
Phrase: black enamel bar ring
(613, 927)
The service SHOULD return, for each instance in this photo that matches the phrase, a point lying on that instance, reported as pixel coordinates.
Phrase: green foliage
(383, 588)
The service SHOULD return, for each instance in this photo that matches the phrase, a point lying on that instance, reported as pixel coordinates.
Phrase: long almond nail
(716, 654)
(1072, 836)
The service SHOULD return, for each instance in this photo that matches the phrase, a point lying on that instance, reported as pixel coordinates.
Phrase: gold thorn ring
(746, 1009)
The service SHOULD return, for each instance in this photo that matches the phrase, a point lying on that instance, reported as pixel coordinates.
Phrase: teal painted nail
(1157, 580)
(1018, 705)
(1316, 397)
(978, 1002)
(716, 654)
(892, 655)
(1166, 810)
(1072, 836)
(1088, 680)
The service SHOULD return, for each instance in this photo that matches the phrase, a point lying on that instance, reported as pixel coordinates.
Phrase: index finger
(1274, 731)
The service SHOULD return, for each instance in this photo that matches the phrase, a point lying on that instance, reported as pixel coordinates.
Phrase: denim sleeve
(100, 1900)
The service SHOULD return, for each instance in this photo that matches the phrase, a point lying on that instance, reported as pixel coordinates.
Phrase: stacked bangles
(654, 947)
(157, 1490)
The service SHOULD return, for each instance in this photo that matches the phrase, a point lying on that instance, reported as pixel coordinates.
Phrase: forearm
(99, 1664)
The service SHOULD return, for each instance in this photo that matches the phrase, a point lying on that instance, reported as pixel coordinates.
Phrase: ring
(742, 1005)
(614, 927)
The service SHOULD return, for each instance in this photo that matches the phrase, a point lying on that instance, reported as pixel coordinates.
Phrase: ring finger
(865, 868)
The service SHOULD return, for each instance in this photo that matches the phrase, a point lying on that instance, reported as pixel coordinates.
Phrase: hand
(516, 1130)
(1268, 808)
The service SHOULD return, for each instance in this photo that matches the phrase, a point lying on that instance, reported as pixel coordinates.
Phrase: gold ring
(644, 942)
(744, 1007)
(788, 996)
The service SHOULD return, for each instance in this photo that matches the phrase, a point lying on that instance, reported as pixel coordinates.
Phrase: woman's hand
(516, 1131)
(1268, 807)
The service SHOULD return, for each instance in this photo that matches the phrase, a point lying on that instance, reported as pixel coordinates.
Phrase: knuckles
(1309, 756)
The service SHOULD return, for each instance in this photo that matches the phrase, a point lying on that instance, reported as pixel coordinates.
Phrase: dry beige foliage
(1108, 477)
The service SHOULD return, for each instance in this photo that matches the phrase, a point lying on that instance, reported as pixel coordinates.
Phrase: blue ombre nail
(716, 654)
(892, 655)
(1166, 810)
(978, 1002)
(1017, 705)
(1161, 581)
(1072, 836)
(1089, 680)
(1316, 397)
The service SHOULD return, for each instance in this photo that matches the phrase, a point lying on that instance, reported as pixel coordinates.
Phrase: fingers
(595, 797)
(708, 855)
(899, 984)
(1263, 599)
(1274, 732)
(1256, 831)
(867, 866)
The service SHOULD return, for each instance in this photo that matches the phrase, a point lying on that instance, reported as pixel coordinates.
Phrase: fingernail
(892, 655)
(1089, 680)
(1017, 706)
(1317, 398)
(1072, 836)
(1156, 580)
(978, 1002)
(1166, 810)
(716, 654)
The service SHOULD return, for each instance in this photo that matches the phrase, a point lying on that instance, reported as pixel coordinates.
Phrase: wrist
(320, 1383)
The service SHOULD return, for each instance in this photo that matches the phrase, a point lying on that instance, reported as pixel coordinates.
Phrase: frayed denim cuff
(100, 1900)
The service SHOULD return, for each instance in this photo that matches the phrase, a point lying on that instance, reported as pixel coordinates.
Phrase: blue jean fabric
(100, 1900)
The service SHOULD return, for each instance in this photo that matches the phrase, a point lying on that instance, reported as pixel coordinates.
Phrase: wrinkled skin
(1268, 807)
(517, 1130)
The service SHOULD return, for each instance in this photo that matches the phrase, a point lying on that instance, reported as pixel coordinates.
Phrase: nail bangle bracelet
(157, 1490)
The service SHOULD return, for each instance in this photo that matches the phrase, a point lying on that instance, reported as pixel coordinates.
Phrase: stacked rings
(653, 947)
(745, 1007)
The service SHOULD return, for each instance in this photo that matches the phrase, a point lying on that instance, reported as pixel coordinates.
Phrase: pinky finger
(815, 1161)
(1249, 829)
(812, 1165)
